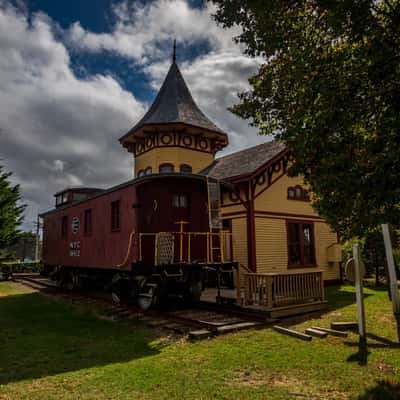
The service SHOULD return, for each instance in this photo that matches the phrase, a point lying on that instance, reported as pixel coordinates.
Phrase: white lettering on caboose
(75, 249)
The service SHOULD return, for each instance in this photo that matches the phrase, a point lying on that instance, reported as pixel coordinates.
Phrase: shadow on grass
(362, 355)
(383, 390)
(41, 337)
(339, 297)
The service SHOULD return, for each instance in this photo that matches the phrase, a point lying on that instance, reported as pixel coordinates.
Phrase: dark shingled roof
(244, 162)
(174, 104)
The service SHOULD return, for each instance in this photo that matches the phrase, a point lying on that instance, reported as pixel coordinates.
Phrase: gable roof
(174, 104)
(245, 162)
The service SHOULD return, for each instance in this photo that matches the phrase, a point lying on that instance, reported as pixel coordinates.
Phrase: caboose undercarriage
(147, 285)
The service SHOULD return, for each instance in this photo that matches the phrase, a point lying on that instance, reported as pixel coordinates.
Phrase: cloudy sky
(76, 75)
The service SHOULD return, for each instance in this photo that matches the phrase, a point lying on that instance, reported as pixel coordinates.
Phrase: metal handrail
(222, 235)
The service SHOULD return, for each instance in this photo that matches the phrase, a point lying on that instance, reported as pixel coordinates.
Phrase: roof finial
(174, 53)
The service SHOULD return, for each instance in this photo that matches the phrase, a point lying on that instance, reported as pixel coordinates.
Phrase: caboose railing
(278, 290)
(218, 246)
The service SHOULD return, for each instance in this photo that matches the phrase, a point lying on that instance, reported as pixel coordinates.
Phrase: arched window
(186, 169)
(166, 168)
(140, 173)
(148, 171)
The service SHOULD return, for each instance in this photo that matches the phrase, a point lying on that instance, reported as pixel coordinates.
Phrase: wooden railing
(279, 290)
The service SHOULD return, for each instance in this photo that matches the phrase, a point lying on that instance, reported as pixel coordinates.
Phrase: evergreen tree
(11, 211)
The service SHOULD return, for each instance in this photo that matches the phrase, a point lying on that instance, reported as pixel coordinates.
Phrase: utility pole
(37, 239)
(394, 291)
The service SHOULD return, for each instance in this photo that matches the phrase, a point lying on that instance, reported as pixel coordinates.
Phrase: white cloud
(57, 130)
(144, 31)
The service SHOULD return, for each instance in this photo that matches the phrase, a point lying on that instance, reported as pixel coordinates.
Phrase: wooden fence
(279, 290)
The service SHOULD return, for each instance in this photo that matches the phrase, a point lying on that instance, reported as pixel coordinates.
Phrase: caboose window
(64, 227)
(165, 168)
(115, 225)
(180, 201)
(88, 222)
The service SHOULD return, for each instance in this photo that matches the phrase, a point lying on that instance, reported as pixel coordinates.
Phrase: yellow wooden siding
(239, 236)
(233, 209)
(175, 155)
(271, 245)
(324, 237)
(275, 198)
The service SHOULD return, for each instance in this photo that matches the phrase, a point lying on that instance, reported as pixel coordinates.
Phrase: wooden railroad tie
(237, 327)
(316, 333)
(291, 332)
(344, 326)
(332, 332)
(200, 334)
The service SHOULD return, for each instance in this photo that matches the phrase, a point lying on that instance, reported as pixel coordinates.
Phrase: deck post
(321, 281)
(238, 287)
(394, 291)
(269, 291)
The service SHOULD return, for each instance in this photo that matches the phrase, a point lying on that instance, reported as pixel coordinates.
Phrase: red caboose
(147, 237)
(160, 232)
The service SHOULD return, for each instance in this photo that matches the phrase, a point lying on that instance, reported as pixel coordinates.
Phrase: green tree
(11, 211)
(329, 88)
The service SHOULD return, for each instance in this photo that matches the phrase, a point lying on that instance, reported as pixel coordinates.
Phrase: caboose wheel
(147, 296)
(195, 290)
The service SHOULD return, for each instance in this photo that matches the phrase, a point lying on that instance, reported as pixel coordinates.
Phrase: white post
(394, 291)
(359, 295)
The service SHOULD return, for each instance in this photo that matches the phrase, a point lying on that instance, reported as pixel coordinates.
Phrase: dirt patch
(296, 387)
(381, 366)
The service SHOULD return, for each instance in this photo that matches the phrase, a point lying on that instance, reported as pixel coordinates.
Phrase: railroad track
(200, 322)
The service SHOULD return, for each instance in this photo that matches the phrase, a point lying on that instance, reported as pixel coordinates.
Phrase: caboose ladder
(214, 216)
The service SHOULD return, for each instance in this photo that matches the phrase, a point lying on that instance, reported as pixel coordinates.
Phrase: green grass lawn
(50, 349)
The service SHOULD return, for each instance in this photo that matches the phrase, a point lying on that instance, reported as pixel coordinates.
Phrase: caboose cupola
(174, 135)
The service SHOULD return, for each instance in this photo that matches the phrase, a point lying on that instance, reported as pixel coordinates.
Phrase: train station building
(274, 227)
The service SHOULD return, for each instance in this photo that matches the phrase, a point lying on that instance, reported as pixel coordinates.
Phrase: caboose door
(181, 207)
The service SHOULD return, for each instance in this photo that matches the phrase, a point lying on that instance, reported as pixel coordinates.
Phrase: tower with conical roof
(174, 135)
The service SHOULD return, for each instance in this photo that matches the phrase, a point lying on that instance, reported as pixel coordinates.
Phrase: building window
(88, 222)
(297, 193)
(301, 251)
(180, 201)
(115, 221)
(64, 227)
(148, 171)
(186, 169)
(140, 173)
(166, 168)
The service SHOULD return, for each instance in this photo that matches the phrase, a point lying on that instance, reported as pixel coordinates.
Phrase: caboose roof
(78, 189)
(244, 163)
(174, 104)
(136, 182)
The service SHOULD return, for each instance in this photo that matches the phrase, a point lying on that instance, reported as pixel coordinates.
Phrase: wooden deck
(279, 294)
